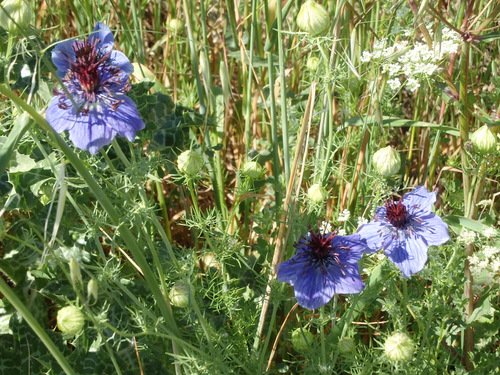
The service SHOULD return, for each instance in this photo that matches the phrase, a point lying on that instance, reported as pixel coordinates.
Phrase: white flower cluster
(362, 221)
(344, 215)
(325, 227)
(485, 266)
(417, 62)
(467, 237)
(490, 232)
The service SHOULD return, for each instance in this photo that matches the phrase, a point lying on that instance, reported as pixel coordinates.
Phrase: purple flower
(324, 265)
(405, 229)
(94, 107)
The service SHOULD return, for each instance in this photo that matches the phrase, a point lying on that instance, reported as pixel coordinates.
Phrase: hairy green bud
(190, 162)
(15, 15)
(313, 18)
(302, 340)
(317, 193)
(386, 161)
(484, 140)
(399, 347)
(70, 319)
(179, 295)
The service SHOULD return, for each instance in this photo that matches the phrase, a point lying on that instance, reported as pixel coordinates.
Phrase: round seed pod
(70, 319)
(313, 18)
(399, 347)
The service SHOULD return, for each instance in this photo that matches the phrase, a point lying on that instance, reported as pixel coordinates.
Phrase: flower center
(396, 213)
(87, 66)
(320, 245)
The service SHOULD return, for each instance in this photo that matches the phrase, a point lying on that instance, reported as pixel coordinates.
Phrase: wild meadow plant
(200, 187)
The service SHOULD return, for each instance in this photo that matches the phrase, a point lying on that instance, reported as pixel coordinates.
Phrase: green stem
(283, 103)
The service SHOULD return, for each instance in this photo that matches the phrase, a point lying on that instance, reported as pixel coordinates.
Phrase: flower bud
(312, 63)
(190, 162)
(252, 169)
(74, 272)
(399, 347)
(317, 193)
(346, 345)
(484, 140)
(15, 15)
(302, 340)
(70, 320)
(92, 289)
(386, 161)
(313, 18)
(179, 295)
(175, 25)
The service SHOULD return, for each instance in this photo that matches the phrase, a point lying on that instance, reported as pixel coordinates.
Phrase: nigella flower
(94, 107)
(324, 265)
(405, 228)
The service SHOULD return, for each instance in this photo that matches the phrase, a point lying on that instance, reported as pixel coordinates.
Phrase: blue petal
(408, 253)
(60, 119)
(119, 59)
(90, 133)
(288, 271)
(419, 200)
(345, 281)
(60, 55)
(375, 235)
(350, 248)
(125, 120)
(433, 230)
(105, 36)
(311, 290)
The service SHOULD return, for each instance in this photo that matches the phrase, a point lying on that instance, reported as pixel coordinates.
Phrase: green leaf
(394, 122)
(457, 223)
(480, 310)
(21, 125)
(487, 38)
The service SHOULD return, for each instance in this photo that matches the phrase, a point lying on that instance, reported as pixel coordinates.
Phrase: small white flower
(325, 227)
(344, 215)
(489, 232)
(362, 221)
(467, 237)
(341, 232)
(490, 252)
(366, 56)
(394, 84)
(412, 84)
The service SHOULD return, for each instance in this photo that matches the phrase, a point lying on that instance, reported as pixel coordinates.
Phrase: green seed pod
(15, 15)
(179, 295)
(302, 340)
(346, 345)
(176, 25)
(399, 347)
(313, 18)
(70, 320)
(386, 161)
(190, 162)
(484, 140)
(312, 63)
(317, 193)
(252, 169)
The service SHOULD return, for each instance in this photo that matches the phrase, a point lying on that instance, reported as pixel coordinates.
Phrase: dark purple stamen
(396, 213)
(320, 245)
